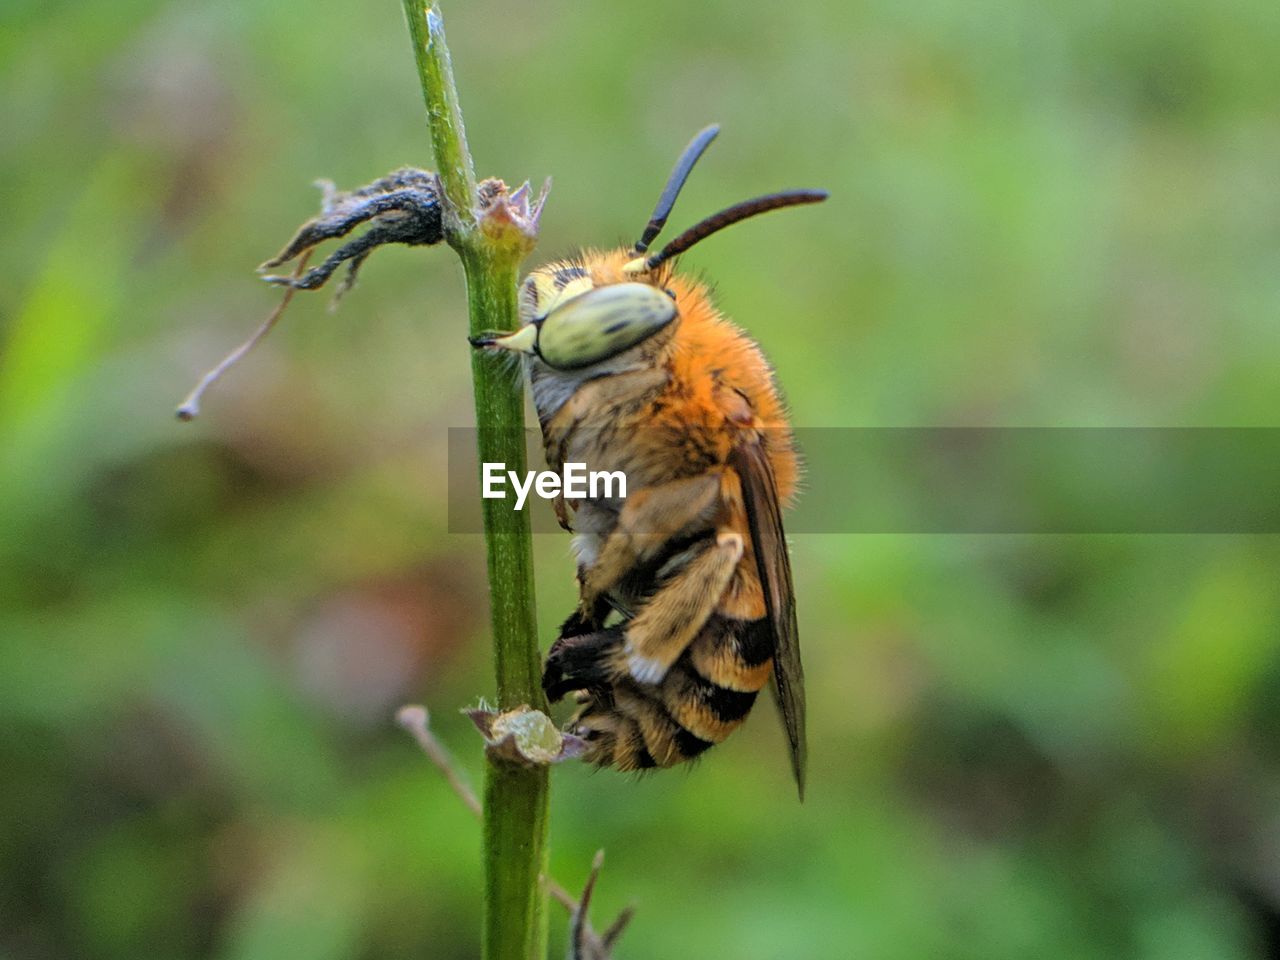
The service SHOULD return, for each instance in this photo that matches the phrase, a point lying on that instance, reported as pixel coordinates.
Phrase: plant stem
(515, 798)
(444, 115)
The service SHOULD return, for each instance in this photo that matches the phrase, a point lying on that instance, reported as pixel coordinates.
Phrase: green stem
(515, 798)
(444, 115)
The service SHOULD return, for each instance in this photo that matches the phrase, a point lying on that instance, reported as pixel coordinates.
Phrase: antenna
(697, 146)
(726, 218)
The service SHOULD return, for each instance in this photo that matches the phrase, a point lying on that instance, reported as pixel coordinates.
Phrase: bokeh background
(1043, 214)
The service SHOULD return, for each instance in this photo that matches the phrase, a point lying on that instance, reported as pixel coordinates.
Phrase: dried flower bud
(525, 736)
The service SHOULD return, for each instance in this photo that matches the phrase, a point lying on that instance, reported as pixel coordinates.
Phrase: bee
(686, 608)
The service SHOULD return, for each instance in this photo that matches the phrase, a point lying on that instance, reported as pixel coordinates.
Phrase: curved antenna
(697, 146)
(726, 218)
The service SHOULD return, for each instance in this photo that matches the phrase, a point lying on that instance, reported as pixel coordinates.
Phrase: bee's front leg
(581, 661)
(561, 507)
(583, 621)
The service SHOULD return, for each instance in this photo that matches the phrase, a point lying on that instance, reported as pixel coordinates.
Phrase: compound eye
(554, 288)
(602, 323)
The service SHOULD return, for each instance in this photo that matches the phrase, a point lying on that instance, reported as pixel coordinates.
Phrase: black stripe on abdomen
(727, 706)
(689, 744)
(641, 756)
(755, 642)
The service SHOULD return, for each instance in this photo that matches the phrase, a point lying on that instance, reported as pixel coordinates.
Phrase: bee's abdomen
(703, 698)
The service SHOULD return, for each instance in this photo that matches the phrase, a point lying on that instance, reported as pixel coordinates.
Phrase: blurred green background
(1052, 214)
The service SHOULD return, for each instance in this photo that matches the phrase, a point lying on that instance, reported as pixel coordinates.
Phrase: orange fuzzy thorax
(712, 359)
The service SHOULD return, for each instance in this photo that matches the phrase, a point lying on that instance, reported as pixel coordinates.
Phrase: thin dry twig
(585, 943)
(417, 720)
(189, 409)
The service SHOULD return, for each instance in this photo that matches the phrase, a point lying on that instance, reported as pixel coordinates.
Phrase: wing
(764, 519)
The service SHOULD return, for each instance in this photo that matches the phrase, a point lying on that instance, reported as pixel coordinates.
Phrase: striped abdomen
(703, 698)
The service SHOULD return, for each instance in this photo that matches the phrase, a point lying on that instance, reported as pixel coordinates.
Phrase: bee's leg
(674, 616)
(561, 508)
(647, 522)
(579, 662)
(585, 621)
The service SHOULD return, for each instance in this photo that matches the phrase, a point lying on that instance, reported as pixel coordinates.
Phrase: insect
(685, 603)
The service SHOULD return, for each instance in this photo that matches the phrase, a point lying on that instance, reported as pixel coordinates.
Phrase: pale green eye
(602, 323)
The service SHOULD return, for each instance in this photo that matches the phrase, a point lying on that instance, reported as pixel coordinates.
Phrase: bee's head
(571, 320)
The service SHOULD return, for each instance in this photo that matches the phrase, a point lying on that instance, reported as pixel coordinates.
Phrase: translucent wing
(764, 519)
